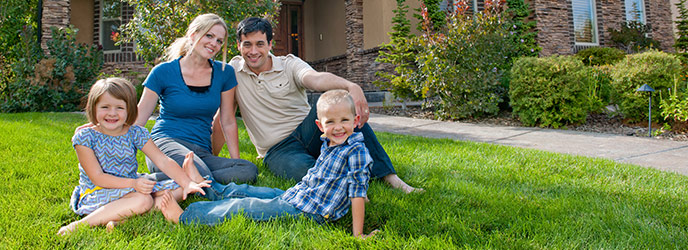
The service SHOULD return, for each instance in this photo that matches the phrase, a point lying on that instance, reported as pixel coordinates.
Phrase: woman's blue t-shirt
(185, 114)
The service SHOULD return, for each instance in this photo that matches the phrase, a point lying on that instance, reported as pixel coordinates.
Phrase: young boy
(338, 179)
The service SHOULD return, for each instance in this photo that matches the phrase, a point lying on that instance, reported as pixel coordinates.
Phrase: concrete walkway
(660, 154)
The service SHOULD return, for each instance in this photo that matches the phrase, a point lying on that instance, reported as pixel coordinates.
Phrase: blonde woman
(190, 86)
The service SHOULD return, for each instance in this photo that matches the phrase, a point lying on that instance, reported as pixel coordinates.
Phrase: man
(274, 106)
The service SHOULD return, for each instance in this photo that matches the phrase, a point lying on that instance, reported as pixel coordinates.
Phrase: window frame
(593, 16)
(643, 14)
(102, 36)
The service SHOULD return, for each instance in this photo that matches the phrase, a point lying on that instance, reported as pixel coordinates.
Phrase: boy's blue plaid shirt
(340, 173)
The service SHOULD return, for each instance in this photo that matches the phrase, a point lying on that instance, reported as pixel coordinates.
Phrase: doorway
(288, 38)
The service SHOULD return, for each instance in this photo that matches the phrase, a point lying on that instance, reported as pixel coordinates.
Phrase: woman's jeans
(292, 157)
(226, 201)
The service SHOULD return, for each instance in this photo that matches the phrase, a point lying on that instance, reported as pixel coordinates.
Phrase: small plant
(596, 56)
(675, 107)
(632, 37)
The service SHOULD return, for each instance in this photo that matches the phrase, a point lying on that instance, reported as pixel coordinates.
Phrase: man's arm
(324, 81)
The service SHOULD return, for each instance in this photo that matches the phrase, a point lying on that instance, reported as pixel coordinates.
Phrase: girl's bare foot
(111, 225)
(396, 182)
(68, 228)
(169, 208)
(190, 169)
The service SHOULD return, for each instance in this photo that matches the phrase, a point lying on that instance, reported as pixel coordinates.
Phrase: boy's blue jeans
(292, 157)
(226, 201)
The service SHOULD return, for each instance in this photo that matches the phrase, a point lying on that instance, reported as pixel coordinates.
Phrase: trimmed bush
(654, 68)
(552, 91)
(597, 56)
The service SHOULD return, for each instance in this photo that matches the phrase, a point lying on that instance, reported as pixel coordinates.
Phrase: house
(343, 36)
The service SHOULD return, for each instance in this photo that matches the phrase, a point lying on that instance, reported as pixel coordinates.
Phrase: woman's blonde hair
(200, 25)
(119, 88)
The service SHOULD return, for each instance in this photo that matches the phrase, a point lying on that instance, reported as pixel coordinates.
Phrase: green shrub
(56, 82)
(552, 91)
(596, 56)
(463, 67)
(654, 68)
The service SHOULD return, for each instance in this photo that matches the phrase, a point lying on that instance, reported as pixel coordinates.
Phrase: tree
(681, 44)
(157, 23)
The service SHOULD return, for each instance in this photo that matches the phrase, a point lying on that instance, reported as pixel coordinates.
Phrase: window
(110, 19)
(584, 22)
(445, 4)
(635, 11)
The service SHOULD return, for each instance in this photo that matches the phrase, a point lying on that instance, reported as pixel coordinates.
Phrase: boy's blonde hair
(335, 96)
(119, 88)
(200, 25)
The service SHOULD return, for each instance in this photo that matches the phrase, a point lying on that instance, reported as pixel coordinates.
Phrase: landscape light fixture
(647, 88)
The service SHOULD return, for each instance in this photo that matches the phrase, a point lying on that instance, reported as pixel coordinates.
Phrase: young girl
(109, 187)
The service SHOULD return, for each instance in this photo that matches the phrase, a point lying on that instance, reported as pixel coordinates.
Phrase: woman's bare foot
(169, 208)
(158, 198)
(190, 169)
(68, 228)
(396, 182)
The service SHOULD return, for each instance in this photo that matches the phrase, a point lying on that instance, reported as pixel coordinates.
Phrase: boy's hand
(371, 234)
(143, 185)
(195, 188)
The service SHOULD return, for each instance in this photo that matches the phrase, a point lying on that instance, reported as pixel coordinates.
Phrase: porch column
(355, 63)
(55, 13)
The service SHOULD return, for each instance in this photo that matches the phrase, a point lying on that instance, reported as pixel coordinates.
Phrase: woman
(191, 86)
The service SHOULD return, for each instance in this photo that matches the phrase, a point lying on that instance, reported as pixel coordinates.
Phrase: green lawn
(477, 196)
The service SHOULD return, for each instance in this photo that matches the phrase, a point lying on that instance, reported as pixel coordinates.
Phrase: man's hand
(361, 103)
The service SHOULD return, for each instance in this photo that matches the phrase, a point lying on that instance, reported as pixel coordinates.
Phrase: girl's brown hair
(119, 88)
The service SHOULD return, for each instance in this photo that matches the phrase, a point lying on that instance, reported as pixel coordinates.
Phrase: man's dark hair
(253, 24)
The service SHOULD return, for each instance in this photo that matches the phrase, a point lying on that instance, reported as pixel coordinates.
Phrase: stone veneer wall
(55, 13)
(125, 61)
(338, 65)
(555, 23)
(659, 16)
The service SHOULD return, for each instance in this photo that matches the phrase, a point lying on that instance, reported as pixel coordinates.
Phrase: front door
(288, 38)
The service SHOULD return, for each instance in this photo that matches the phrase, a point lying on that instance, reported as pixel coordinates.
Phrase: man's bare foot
(396, 182)
(169, 208)
(190, 169)
(68, 228)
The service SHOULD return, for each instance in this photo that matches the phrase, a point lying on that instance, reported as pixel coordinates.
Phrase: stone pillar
(55, 13)
(355, 65)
